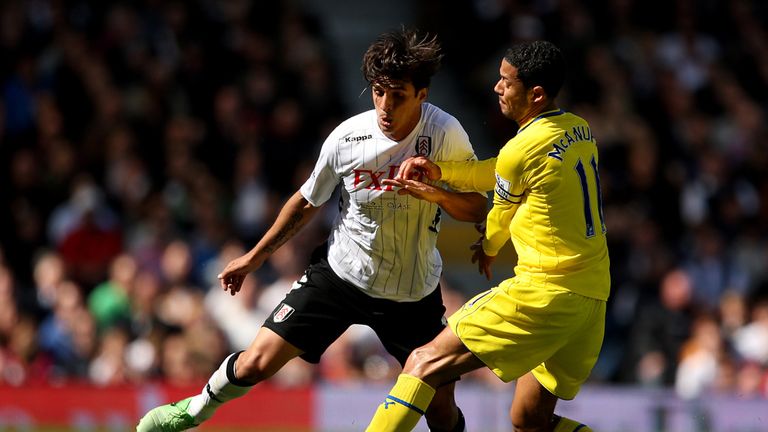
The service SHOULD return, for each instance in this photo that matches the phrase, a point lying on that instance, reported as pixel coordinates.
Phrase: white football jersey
(382, 242)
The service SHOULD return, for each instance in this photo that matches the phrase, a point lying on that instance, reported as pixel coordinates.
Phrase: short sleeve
(321, 183)
(458, 149)
(457, 144)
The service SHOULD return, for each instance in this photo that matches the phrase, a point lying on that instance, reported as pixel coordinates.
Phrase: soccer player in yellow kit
(544, 326)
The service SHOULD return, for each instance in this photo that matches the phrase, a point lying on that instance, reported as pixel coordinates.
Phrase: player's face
(398, 107)
(514, 98)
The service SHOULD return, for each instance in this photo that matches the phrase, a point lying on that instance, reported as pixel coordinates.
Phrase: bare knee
(422, 363)
(532, 421)
(533, 406)
(441, 361)
(264, 357)
(254, 367)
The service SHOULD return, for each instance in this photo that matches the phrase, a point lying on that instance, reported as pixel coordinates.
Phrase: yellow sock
(567, 425)
(403, 406)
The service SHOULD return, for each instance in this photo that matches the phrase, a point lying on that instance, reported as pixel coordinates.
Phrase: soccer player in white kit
(381, 267)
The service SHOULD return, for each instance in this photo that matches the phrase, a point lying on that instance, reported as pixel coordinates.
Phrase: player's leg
(441, 361)
(304, 323)
(405, 326)
(443, 415)
(564, 372)
(532, 407)
(238, 373)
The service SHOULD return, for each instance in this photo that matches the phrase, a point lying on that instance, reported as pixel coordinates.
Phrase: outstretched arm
(465, 206)
(296, 212)
(476, 175)
(415, 168)
(462, 206)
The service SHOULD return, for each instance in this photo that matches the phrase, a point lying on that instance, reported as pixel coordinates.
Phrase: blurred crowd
(145, 144)
(677, 96)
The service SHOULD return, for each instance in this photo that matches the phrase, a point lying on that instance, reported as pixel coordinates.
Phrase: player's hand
(484, 262)
(415, 167)
(233, 275)
(480, 227)
(417, 189)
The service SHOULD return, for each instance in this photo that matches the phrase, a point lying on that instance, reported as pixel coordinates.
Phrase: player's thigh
(510, 328)
(314, 313)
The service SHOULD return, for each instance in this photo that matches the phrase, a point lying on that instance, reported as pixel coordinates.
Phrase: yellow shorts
(518, 327)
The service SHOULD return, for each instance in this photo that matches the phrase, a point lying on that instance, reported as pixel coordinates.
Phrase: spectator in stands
(661, 326)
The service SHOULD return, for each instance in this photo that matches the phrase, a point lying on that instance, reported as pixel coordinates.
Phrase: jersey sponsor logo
(283, 313)
(423, 145)
(391, 205)
(372, 179)
(578, 134)
(358, 138)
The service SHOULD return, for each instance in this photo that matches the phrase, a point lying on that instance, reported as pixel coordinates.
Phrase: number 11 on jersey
(590, 231)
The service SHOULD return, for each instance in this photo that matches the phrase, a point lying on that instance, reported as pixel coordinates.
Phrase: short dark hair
(538, 63)
(403, 55)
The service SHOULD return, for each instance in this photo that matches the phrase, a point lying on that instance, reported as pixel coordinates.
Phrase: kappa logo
(283, 313)
(358, 138)
(423, 145)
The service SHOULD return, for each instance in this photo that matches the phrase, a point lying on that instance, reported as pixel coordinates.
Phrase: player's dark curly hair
(538, 63)
(403, 55)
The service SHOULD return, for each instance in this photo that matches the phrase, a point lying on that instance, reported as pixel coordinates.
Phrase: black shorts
(314, 315)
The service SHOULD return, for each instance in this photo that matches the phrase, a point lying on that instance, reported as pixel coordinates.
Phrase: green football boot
(167, 418)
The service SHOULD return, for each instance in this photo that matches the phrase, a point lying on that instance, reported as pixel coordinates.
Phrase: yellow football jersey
(547, 200)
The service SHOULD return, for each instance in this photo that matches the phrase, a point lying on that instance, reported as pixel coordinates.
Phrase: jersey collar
(541, 116)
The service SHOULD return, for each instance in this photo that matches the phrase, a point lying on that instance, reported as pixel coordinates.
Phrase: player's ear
(421, 95)
(538, 94)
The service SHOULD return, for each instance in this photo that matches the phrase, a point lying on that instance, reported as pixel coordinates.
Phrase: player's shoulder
(357, 128)
(549, 127)
(363, 120)
(555, 125)
(437, 117)
(572, 118)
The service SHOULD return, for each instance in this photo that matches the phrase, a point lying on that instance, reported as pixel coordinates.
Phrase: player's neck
(536, 111)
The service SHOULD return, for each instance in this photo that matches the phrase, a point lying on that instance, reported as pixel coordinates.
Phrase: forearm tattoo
(293, 224)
